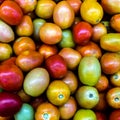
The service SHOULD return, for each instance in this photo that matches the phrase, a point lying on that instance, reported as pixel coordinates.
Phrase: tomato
(6, 32)
(5, 51)
(7, 8)
(58, 92)
(9, 104)
(50, 33)
(71, 56)
(45, 8)
(68, 109)
(48, 50)
(115, 115)
(63, 15)
(25, 28)
(90, 49)
(110, 6)
(115, 22)
(23, 43)
(11, 77)
(40, 77)
(27, 6)
(26, 112)
(82, 32)
(75, 4)
(113, 97)
(48, 111)
(56, 66)
(110, 62)
(29, 59)
(110, 42)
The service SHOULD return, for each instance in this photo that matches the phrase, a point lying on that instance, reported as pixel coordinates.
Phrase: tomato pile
(59, 59)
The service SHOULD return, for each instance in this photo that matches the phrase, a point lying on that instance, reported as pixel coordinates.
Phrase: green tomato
(67, 39)
(37, 23)
(26, 113)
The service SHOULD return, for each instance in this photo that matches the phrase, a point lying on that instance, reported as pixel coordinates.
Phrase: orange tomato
(71, 56)
(102, 104)
(110, 62)
(63, 14)
(75, 4)
(7, 8)
(71, 80)
(98, 31)
(115, 22)
(113, 97)
(115, 79)
(68, 109)
(48, 50)
(25, 28)
(47, 111)
(50, 33)
(103, 83)
(29, 59)
(23, 43)
(111, 6)
(90, 49)
(58, 92)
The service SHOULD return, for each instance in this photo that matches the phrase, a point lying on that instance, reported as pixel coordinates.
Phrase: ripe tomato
(102, 83)
(47, 111)
(115, 115)
(68, 109)
(90, 49)
(29, 59)
(115, 22)
(110, 63)
(82, 32)
(48, 50)
(113, 97)
(50, 33)
(63, 15)
(7, 8)
(23, 43)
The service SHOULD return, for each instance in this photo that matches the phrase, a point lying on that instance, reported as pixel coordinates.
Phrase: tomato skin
(115, 115)
(11, 77)
(82, 33)
(56, 66)
(9, 104)
(7, 8)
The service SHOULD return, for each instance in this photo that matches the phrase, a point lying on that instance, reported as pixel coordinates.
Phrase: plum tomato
(11, 12)
(82, 32)
(10, 104)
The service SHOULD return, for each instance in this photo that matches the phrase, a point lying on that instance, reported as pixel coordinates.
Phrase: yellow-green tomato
(89, 70)
(25, 113)
(6, 33)
(67, 39)
(36, 81)
(37, 23)
(5, 51)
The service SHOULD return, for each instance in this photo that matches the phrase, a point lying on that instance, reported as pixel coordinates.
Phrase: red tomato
(82, 33)
(115, 115)
(10, 12)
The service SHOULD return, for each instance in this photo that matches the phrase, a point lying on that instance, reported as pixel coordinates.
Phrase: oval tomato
(7, 8)
(82, 32)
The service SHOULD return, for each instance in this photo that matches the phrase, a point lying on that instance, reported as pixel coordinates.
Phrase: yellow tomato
(91, 11)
